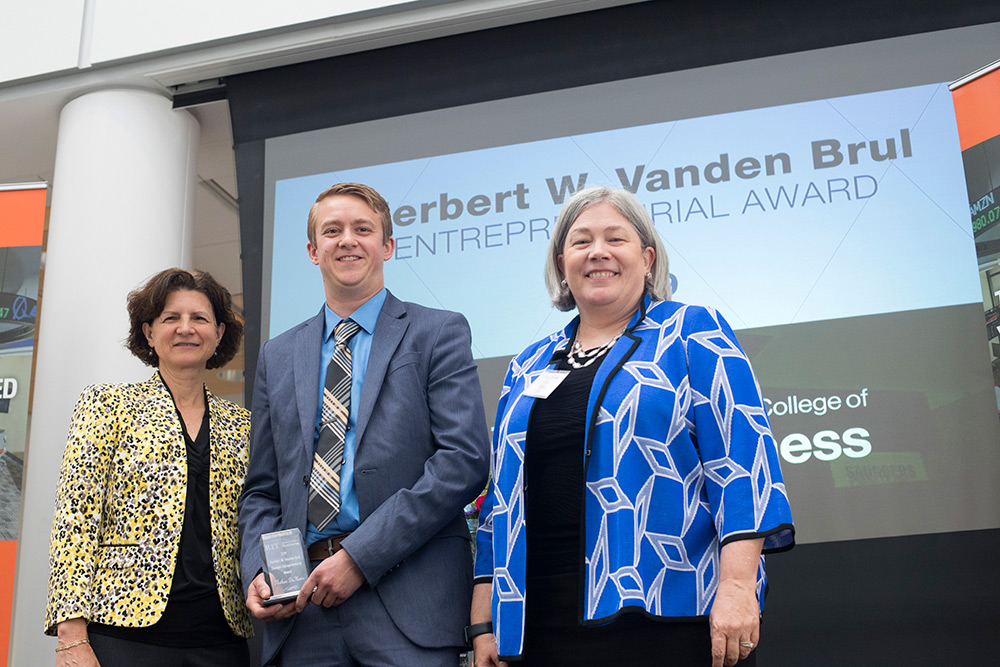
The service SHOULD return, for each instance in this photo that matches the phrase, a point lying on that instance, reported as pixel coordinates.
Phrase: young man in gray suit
(376, 478)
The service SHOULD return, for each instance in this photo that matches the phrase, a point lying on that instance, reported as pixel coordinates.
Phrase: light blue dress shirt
(360, 345)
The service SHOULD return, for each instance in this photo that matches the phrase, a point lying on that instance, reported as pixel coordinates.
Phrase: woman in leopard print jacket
(143, 556)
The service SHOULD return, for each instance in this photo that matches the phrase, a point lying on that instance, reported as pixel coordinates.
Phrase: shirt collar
(366, 315)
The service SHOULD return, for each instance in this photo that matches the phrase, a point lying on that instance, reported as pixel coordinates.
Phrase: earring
(649, 275)
(564, 283)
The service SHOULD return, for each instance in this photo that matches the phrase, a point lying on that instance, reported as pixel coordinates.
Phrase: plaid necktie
(324, 483)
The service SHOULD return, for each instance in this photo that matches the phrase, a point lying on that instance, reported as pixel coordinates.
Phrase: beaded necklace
(590, 356)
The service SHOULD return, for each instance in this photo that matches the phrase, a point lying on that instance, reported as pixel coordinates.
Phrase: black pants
(552, 636)
(114, 652)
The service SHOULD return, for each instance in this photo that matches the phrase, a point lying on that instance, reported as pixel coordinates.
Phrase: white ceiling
(30, 107)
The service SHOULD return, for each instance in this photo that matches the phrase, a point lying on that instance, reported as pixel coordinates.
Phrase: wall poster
(977, 100)
(22, 218)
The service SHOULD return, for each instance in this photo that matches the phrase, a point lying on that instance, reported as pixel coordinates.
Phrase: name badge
(545, 384)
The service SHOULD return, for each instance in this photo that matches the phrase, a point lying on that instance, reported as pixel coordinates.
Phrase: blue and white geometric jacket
(679, 460)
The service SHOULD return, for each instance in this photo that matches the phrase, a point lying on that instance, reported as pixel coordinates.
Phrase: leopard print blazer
(120, 506)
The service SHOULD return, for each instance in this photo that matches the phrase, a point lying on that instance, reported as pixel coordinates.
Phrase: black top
(194, 576)
(553, 470)
(193, 616)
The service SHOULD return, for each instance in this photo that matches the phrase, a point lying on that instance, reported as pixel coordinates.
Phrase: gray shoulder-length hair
(625, 202)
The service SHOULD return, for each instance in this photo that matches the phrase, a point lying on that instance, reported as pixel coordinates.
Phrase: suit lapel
(307, 346)
(220, 430)
(159, 408)
(389, 330)
(218, 436)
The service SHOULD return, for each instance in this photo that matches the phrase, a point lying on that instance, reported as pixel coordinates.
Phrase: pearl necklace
(589, 357)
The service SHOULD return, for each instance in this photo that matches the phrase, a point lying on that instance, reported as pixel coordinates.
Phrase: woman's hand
(82, 655)
(735, 617)
(484, 647)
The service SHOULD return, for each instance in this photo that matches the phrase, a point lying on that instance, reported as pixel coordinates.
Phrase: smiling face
(349, 249)
(604, 263)
(185, 334)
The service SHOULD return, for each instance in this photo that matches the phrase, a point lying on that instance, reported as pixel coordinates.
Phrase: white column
(122, 202)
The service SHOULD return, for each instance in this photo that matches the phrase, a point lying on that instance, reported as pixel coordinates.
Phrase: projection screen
(816, 199)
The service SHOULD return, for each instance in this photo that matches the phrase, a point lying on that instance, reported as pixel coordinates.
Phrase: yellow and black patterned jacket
(120, 506)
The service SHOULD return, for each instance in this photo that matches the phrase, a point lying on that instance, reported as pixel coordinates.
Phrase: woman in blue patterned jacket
(635, 480)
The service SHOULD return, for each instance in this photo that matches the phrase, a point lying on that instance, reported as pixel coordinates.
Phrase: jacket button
(305, 480)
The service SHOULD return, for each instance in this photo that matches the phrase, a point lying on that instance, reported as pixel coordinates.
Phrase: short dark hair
(365, 193)
(147, 302)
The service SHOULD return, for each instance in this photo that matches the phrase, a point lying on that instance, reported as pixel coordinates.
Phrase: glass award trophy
(286, 567)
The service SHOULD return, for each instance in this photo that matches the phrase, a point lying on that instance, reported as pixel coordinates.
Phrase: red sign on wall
(22, 219)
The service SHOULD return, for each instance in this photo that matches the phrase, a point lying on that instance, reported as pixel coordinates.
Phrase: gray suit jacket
(421, 454)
